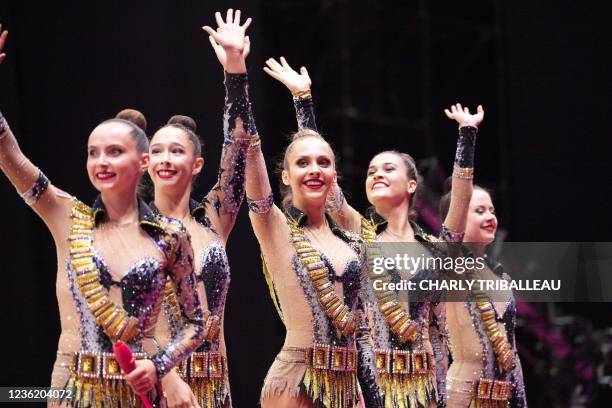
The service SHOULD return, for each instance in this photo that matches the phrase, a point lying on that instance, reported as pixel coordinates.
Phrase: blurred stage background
(383, 72)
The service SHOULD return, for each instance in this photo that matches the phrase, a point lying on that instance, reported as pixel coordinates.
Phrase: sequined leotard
(315, 281)
(218, 209)
(109, 286)
(475, 369)
(416, 385)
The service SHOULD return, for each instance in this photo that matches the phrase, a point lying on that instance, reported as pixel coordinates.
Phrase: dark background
(383, 72)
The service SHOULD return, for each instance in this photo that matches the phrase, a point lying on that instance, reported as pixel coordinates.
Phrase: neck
(315, 213)
(398, 220)
(121, 209)
(173, 205)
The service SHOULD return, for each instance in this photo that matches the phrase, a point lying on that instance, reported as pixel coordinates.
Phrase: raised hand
(3, 35)
(288, 76)
(230, 37)
(463, 115)
(220, 52)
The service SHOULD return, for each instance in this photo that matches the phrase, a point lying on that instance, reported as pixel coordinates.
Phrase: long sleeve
(462, 183)
(238, 130)
(304, 112)
(195, 327)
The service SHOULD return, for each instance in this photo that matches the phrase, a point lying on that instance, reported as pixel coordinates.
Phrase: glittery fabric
(261, 206)
(157, 244)
(31, 195)
(143, 287)
(466, 145)
(305, 320)
(421, 392)
(228, 193)
(304, 112)
(472, 351)
(402, 391)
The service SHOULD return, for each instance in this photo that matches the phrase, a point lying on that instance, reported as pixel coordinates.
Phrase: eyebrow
(384, 164)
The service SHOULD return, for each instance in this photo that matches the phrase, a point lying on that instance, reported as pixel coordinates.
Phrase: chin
(487, 239)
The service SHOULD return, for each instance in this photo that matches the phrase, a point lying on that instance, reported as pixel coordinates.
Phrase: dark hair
(411, 172)
(135, 120)
(285, 191)
(444, 205)
(134, 116)
(189, 126)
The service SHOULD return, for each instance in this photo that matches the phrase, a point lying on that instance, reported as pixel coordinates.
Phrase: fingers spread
(273, 64)
(247, 23)
(285, 63)
(219, 19)
(209, 30)
(237, 17)
(271, 73)
(230, 16)
(448, 114)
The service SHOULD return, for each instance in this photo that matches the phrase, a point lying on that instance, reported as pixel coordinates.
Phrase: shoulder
(173, 234)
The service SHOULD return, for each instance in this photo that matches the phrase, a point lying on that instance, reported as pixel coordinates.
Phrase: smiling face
(173, 161)
(481, 220)
(387, 181)
(113, 161)
(309, 171)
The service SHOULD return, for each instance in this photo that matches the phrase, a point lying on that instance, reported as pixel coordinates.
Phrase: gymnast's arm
(299, 85)
(51, 204)
(463, 171)
(231, 47)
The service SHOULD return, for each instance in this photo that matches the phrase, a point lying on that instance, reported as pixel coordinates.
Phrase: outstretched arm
(299, 85)
(463, 171)
(231, 47)
(31, 184)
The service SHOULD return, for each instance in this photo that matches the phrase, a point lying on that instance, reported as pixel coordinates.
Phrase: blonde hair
(285, 191)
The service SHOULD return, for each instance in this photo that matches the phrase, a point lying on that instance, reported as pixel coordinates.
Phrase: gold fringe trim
(96, 393)
(397, 319)
(332, 389)
(271, 288)
(407, 391)
(210, 392)
(478, 403)
(113, 319)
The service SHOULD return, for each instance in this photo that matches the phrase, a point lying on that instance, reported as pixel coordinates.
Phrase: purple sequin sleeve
(228, 193)
(466, 146)
(304, 113)
(180, 269)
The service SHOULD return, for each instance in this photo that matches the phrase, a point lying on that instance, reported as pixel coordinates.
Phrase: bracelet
(261, 206)
(466, 173)
(451, 236)
(32, 194)
(336, 203)
(306, 94)
(254, 142)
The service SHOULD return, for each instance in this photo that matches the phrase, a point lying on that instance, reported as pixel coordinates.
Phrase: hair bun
(134, 116)
(184, 121)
